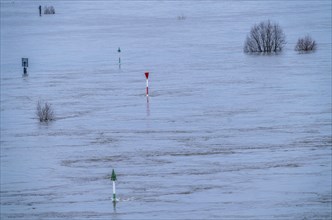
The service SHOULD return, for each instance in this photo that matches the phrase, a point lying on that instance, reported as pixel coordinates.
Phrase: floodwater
(223, 135)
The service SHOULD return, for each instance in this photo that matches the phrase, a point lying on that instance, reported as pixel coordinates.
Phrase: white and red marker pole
(147, 83)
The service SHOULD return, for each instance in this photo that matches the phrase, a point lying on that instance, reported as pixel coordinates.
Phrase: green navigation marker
(113, 178)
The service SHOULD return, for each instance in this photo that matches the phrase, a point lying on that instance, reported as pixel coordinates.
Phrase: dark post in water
(25, 65)
(119, 51)
(39, 10)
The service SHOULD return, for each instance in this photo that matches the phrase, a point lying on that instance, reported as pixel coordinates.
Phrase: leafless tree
(266, 37)
(305, 44)
(44, 112)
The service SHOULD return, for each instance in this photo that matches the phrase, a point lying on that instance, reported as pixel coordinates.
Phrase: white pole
(114, 194)
(147, 87)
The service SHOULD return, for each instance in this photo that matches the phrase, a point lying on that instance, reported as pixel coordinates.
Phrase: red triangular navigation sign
(147, 75)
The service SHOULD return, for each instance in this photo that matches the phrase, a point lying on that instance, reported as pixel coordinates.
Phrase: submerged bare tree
(49, 10)
(44, 112)
(305, 44)
(266, 37)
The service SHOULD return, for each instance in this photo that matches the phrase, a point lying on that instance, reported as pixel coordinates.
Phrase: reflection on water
(147, 106)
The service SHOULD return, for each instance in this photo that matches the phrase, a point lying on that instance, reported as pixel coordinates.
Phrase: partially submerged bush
(44, 112)
(181, 17)
(305, 44)
(266, 37)
(49, 10)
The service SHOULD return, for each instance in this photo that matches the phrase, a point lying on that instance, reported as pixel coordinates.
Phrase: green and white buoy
(113, 178)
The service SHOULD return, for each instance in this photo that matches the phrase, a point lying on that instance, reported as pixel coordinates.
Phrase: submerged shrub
(305, 44)
(266, 37)
(49, 10)
(44, 112)
(181, 17)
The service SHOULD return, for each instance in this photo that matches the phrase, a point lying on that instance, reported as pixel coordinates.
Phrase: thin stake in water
(119, 51)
